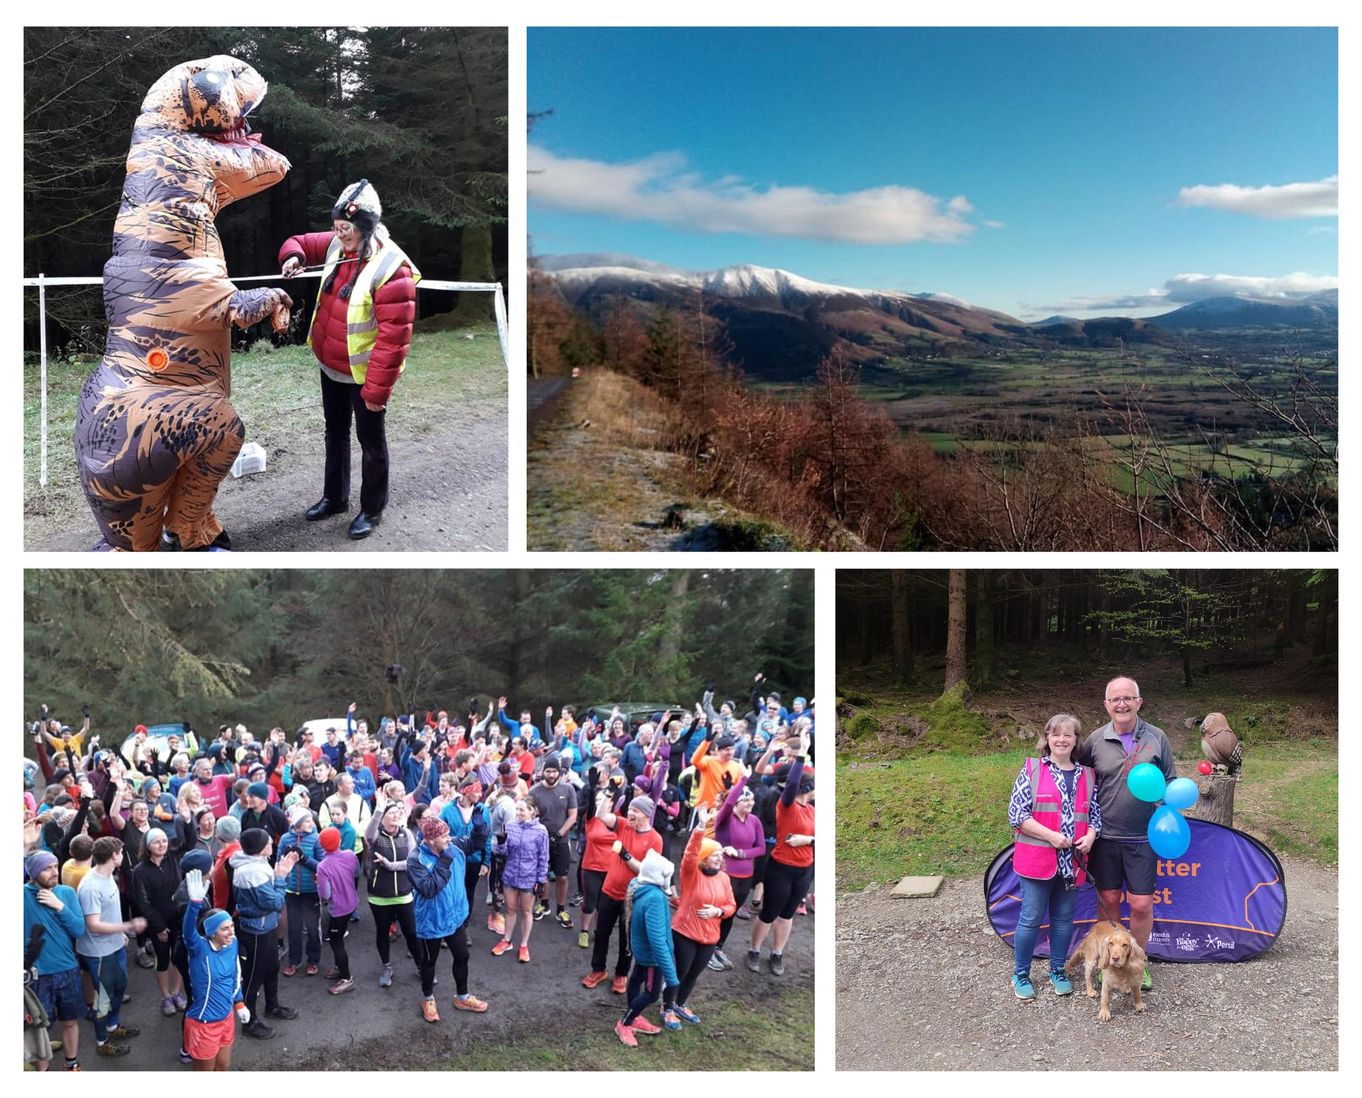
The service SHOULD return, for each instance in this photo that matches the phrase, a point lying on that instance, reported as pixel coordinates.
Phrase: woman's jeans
(1037, 897)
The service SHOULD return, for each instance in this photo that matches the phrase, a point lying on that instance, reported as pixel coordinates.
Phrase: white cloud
(1183, 289)
(1289, 200)
(658, 188)
(990, 224)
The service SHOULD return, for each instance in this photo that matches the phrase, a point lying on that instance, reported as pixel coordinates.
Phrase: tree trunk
(955, 629)
(475, 265)
(903, 645)
(1216, 804)
(983, 628)
(669, 648)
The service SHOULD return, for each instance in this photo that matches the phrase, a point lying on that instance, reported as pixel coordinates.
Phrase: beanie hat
(142, 728)
(150, 783)
(644, 805)
(330, 839)
(254, 840)
(747, 794)
(229, 829)
(708, 847)
(359, 205)
(552, 763)
(504, 768)
(215, 922)
(258, 789)
(298, 815)
(37, 862)
(806, 784)
(655, 869)
(432, 827)
(723, 742)
(154, 834)
(292, 799)
(197, 859)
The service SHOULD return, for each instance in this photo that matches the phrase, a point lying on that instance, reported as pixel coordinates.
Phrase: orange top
(638, 843)
(711, 772)
(698, 890)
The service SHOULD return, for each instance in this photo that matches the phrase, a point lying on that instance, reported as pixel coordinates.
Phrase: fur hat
(655, 869)
(254, 840)
(358, 204)
(330, 839)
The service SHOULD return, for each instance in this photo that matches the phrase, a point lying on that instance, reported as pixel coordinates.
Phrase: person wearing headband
(215, 979)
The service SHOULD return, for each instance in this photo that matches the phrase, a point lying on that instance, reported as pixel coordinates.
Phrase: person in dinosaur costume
(155, 428)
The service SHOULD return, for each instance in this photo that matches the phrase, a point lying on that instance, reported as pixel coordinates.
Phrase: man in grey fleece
(1121, 856)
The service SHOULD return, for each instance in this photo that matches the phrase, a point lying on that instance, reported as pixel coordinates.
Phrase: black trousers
(339, 403)
(645, 985)
(404, 915)
(609, 914)
(336, 927)
(471, 872)
(428, 952)
(691, 959)
(742, 888)
(259, 956)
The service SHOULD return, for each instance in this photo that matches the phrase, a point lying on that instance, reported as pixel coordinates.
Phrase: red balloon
(1204, 766)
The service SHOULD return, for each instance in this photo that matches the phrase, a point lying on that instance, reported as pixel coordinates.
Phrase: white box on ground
(250, 460)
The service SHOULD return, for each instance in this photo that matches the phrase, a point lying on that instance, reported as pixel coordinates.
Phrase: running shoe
(185, 1058)
(1021, 987)
(312, 970)
(626, 1034)
(564, 920)
(1147, 981)
(754, 960)
(146, 960)
(121, 1030)
(777, 962)
(584, 940)
(108, 1048)
(715, 965)
(576, 901)
(392, 933)
(540, 910)
(332, 974)
(802, 909)
(289, 970)
(168, 1006)
(385, 978)
(524, 955)
(340, 987)
(642, 1025)
(258, 1029)
(594, 979)
(1060, 983)
(181, 1003)
(470, 1002)
(722, 958)
(287, 1013)
(497, 924)
(428, 1010)
(501, 947)
(670, 1020)
(686, 1014)
(619, 985)
(743, 914)
(74, 1065)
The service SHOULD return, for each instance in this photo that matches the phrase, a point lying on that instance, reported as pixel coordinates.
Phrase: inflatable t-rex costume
(155, 429)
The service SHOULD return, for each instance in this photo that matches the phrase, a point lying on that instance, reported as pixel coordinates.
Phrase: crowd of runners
(226, 864)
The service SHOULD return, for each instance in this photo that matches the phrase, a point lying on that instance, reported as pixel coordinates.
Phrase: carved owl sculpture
(1220, 745)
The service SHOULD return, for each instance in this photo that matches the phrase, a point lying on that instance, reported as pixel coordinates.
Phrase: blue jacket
(303, 876)
(423, 791)
(437, 883)
(513, 727)
(633, 762)
(63, 928)
(259, 893)
(650, 931)
(214, 974)
(475, 836)
(364, 781)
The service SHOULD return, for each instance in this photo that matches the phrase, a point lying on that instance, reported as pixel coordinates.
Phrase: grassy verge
(734, 1037)
(948, 813)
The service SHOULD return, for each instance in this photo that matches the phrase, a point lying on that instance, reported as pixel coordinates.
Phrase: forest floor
(539, 1016)
(446, 437)
(599, 477)
(919, 790)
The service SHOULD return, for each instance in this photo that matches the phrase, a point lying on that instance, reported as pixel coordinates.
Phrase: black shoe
(281, 1011)
(364, 525)
(324, 508)
(170, 543)
(257, 1029)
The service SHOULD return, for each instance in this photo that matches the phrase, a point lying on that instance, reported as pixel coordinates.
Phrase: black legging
(691, 958)
(428, 952)
(471, 872)
(163, 949)
(645, 985)
(742, 888)
(608, 914)
(785, 885)
(592, 880)
(403, 915)
(259, 956)
(494, 880)
(336, 926)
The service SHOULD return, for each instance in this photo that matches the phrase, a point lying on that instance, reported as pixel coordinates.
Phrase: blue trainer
(1021, 984)
(686, 1014)
(1060, 983)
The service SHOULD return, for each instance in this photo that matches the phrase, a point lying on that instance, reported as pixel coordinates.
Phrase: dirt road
(372, 1028)
(932, 974)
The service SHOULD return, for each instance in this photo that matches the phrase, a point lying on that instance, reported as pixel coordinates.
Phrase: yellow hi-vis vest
(361, 327)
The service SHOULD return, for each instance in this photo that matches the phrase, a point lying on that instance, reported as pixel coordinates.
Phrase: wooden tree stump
(1216, 803)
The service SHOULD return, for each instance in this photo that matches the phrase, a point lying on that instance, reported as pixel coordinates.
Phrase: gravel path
(932, 974)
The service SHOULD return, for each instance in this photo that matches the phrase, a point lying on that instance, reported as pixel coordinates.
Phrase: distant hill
(1317, 312)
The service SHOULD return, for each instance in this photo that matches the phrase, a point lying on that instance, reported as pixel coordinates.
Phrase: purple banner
(1224, 900)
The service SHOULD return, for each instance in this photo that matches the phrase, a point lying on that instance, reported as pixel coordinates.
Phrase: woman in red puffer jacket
(361, 332)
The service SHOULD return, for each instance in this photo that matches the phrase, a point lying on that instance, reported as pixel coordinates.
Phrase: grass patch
(1289, 797)
(775, 1035)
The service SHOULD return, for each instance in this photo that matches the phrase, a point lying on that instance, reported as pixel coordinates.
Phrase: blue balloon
(1146, 782)
(1169, 834)
(1181, 794)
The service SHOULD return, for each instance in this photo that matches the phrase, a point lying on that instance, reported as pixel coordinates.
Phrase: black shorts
(1133, 866)
(560, 856)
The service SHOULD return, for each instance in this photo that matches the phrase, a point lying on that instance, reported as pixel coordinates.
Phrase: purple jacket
(336, 880)
(527, 855)
(747, 837)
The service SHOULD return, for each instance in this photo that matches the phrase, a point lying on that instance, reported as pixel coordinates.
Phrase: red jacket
(394, 309)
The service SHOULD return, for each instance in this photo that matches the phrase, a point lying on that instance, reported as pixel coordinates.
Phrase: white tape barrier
(42, 282)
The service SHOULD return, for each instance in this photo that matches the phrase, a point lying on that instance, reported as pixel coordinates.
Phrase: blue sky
(1032, 170)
